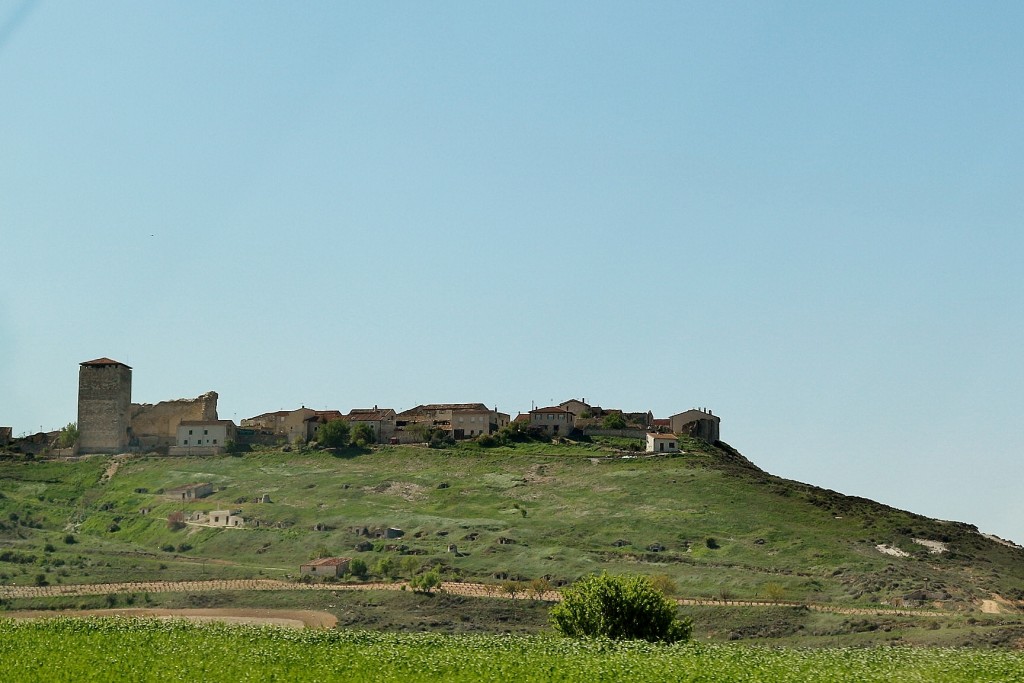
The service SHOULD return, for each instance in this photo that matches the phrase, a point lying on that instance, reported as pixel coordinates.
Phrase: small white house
(227, 518)
(662, 443)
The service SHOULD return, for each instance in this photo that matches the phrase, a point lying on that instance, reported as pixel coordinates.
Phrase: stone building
(325, 566)
(156, 425)
(553, 420)
(697, 422)
(104, 397)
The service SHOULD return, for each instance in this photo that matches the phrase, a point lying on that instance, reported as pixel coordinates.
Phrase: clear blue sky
(806, 216)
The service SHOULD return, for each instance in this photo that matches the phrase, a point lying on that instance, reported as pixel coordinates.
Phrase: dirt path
(478, 590)
(271, 617)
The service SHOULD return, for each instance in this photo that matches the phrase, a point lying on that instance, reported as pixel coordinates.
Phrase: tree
(68, 436)
(362, 435)
(618, 607)
(386, 568)
(614, 421)
(426, 583)
(357, 567)
(333, 434)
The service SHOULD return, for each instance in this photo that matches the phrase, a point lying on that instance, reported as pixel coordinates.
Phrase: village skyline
(806, 217)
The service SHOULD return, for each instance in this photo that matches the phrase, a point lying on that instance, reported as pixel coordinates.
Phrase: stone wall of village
(157, 424)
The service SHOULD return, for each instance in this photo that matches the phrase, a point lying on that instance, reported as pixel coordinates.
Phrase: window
(190, 432)
(186, 442)
(205, 432)
(215, 442)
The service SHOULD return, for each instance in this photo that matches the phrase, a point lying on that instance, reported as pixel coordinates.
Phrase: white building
(203, 437)
(662, 443)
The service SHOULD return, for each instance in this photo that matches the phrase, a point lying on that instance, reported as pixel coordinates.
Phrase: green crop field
(150, 650)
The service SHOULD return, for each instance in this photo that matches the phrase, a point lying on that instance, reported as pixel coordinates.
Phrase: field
(712, 524)
(148, 650)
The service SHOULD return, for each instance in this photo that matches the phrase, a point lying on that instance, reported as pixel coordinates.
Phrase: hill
(708, 519)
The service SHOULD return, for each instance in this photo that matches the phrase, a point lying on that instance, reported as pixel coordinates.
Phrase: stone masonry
(104, 396)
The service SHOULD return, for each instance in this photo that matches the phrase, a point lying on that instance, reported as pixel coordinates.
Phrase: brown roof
(327, 562)
(552, 409)
(479, 407)
(199, 423)
(663, 436)
(370, 414)
(103, 361)
(661, 423)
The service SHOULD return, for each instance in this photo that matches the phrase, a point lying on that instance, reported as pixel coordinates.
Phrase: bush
(68, 436)
(70, 539)
(357, 567)
(362, 435)
(333, 434)
(614, 421)
(618, 607)
(426, 583)
(176, 520)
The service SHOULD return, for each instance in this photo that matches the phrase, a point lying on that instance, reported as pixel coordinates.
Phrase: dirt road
(479, 590)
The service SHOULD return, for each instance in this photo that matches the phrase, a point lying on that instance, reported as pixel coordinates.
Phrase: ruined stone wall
(104, 394)
(162, 419)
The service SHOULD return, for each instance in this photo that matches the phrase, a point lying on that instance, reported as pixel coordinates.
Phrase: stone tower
(104, 397)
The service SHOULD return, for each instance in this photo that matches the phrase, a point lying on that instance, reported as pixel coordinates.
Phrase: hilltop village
(108, 422)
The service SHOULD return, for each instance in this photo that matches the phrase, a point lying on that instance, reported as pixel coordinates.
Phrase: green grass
(806, 543)
(148, 650)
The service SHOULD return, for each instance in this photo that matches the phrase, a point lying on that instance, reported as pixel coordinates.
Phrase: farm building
(189, 491)
(325, 566)
(662, 443)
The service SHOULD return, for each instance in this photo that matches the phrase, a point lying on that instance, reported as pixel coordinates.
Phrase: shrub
(333, 434)
(357, 567)
(664, 584)
(618, 607)
(48, 548)
(614, 421)
(70, 539)
(711, 543)
(362, 435)
(176, 520)
(386, 568)
(68, 436)
(184, 547)
(426, 583)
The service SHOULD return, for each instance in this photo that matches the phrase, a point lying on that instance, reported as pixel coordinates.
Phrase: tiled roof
(432, 407)
(673, 437)
(551, 409)
(102, 362)
(200, 423)
(369, 414)
(328, 562)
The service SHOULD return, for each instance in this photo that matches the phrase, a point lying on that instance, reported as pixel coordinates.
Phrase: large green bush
(333, 434)
(618, 607)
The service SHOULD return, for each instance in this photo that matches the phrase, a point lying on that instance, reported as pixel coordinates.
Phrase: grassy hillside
(713, 523)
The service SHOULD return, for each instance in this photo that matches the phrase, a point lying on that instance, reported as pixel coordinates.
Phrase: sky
(804, 216)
